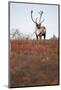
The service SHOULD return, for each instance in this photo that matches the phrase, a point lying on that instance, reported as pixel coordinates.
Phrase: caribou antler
(42, 21)
(41, 13)
(32, 17)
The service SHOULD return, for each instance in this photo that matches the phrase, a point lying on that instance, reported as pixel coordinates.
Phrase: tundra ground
(34, 63)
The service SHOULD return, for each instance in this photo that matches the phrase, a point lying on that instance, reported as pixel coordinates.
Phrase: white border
(4, 44)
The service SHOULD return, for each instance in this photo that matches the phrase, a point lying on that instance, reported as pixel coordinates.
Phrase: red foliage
(19, 47)
(34, 61)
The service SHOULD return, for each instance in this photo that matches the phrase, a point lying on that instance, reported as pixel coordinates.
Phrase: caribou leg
(37, 36)
(44, 36)
(40, 37)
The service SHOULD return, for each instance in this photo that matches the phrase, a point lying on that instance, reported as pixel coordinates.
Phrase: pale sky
(20, 18)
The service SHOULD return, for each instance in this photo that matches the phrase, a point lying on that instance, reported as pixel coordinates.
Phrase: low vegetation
(33, 62)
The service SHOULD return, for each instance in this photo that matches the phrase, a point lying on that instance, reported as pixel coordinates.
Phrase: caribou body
(39, 30)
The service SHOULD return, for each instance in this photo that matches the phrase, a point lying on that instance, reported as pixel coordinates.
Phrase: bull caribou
(39, 30)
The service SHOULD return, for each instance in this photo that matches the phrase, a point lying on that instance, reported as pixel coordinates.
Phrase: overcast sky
(20, 18)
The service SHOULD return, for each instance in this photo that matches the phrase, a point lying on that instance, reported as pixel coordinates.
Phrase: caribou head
(38, 25)
(40, 30)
